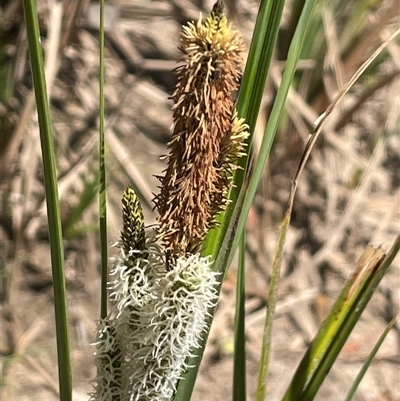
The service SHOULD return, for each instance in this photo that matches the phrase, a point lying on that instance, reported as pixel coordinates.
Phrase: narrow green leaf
(239, 363)
(248, 105)
(369, 360)
(102, 181)
(276, 113)
(52, 199)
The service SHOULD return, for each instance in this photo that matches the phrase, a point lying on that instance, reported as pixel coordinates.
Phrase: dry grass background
(349, 194)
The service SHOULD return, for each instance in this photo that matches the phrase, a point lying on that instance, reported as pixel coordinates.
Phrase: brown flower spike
(207, 136)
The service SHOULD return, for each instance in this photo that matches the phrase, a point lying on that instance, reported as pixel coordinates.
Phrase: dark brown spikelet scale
(133, 233)
(195, 183)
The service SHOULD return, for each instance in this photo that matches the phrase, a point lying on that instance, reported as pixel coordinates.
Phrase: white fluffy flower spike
(171, 328)
(160, 315)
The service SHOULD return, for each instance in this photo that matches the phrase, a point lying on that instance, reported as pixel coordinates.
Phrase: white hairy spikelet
(133, 288)
(135, 278)
(108, 383)
(161, 316)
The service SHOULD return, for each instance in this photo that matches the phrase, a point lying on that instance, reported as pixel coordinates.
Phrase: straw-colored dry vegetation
(348, 195)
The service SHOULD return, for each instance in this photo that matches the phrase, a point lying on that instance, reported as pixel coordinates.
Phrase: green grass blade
(276, 113)
(334, 332)
(102, 181)
(259, 61)
(294, 52)
(239, 363)
(52, 199)
(369, 360)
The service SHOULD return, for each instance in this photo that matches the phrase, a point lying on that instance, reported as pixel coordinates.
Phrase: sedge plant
(165, 282)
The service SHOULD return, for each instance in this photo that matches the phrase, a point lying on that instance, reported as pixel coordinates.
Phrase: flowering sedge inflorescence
(207, 135)
(162, 287)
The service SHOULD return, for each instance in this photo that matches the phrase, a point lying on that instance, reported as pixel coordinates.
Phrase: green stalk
(52, 199)
(102, 180)
(248, 105)
(239, 363)
(273, 122)
(270, 311)
(294, 52)
(369, 360)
